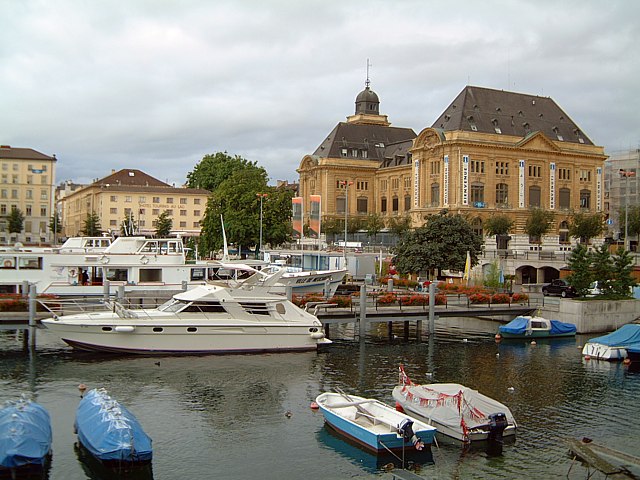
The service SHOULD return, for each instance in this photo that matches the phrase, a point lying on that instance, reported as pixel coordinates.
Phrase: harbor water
(249, 416)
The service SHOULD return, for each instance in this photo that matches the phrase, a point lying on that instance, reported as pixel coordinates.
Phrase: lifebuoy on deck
(72, 272)
(8, 263)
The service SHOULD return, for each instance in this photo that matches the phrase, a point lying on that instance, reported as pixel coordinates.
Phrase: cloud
(158, 84)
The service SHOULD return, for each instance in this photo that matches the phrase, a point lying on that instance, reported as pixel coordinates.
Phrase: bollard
(120, 295)
(363, 311)
(390, 285)
(106, 290)
(25, 289)
(432, 308)
(32, 314)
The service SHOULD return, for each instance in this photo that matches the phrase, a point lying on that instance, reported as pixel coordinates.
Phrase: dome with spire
(367, 102)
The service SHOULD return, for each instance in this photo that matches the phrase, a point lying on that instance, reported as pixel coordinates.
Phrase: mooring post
(390, 285)
(120, 293)
(432, 308)
(327, 289)
(32, 314)
(363, 310)
(106, 290)
(25, 289)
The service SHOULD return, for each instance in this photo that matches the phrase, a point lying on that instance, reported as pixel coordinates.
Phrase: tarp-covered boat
(526, 326)
(25, 435)
(372, 424)
(615, 345)
(455, 410)
(110, 432)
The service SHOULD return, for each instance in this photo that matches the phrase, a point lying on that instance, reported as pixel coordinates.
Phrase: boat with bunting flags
(455, 410)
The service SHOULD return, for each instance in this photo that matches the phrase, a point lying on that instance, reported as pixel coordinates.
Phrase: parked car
(559, 287)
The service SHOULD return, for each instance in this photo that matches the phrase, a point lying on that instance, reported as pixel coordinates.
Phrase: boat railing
(71, 306)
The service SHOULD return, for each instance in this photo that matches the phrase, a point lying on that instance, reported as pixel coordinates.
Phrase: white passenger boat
(455, 410)
(205, 319)
(82, 265)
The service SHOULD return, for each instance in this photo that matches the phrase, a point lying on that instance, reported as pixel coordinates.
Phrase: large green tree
(498, 224)
(586, 226)
(91, 226)
(538, 223)
(602, 268)
(15, 220)
(622, 267)
(442, 243)
(164, 224)
(276, 216)
(580, 265)
(214, 169)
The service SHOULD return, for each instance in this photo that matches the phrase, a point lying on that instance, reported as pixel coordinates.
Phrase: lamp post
(260, 196)
(345, 184)
(626, 174)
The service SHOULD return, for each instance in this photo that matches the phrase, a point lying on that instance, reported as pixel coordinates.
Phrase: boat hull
(604, 352)
(377, 439)
(191, 338)
(535, 334)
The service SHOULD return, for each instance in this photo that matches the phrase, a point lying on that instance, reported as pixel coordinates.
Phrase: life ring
(144, 260)
(8, 263)
(104, 259)
(72, 272)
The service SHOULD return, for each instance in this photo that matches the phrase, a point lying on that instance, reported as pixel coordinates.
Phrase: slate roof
(22, 154)
(380, 141)
(132, 177)
(517, 114)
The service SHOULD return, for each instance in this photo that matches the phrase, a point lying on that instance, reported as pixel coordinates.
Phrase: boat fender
(72, 272)
(317, 335)
(399, 408)
(406, 431)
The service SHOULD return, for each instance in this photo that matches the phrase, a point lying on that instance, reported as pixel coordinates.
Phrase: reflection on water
(239, 416)
(96, 470)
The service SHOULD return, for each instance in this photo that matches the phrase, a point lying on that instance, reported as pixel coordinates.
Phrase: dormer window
(472, 123)
(495, 125)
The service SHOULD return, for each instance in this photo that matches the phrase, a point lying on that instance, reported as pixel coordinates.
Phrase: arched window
(407, 202)
(477, 195)
(534, 196)
(383, 204)
(394, 204)
(502, 194)
(564, 199)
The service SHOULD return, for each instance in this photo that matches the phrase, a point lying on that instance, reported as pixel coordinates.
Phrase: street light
(345, 184)
(260, 196)
(626, 174)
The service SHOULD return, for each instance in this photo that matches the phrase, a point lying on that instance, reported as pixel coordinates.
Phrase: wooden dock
(613, 463)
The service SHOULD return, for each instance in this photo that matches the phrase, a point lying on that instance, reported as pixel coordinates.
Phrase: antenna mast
(368, 82)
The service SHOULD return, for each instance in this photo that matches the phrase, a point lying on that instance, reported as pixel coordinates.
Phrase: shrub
(387, 299)
(343, 301)
(500, 298)
(520, 298)
(479, 298)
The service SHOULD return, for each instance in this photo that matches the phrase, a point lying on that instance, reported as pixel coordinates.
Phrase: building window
(435, 194)
(407, 182)
(3, 193)
(354, 153)
(340, 205)
(364, 153)
(3, 209)
(407, 202)
(169, 199)
(196, 201)
(362, 204)
(128, 199)
(142, 199)
(183, 224)
(113, 198)
(127, 212)
(502, 193)
(534, 196)
(395, 183)
(477, 166)
(44, 180)
(169, 212)
(564, 232)
(383, 204)
(113, 211)
(384, 185)
(113, 223)
(29, 179)
(477, 195)
(183, 213)
(155, 211)
(29, 194)
(394, 204)
(362, 185)
(183, 201)
(14, 194)
(344, 152)
(564, 198)
(535, 171)
(502, 168)
(27, 226)
(585, 175)
(476, 226)
(196, 213)
(196, 224)
(564, 174)
(141, 211)
(156, 199)
(435, 168)
(585, 199)
(14, 178)
(28, 211)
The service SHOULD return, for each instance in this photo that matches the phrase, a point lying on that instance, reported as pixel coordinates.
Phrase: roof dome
(367, 102)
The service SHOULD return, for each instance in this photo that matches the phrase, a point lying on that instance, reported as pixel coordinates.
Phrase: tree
(399, 225)
(442, 243)
(214, 169)
(580, 265)
(332, 226)
(632, 217)
(91, 225)
(497, 225)
(374, 225)
(128, 227)
(15, 220)
(622, 268)
(586, 226)
(539, 223)
(602, 269)
(164, 224)
(55, 225)
(276, 216)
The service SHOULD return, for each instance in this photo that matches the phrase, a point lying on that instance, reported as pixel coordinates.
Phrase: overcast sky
(157, 84)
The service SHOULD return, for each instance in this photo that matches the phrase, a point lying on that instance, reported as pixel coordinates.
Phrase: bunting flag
(297, 217)
(314, 216)
(467, 268)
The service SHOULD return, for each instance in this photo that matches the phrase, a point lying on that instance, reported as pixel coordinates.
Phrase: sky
(157, 84)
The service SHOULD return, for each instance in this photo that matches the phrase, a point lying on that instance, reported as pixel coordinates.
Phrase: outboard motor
(497, 423)
(405, 430)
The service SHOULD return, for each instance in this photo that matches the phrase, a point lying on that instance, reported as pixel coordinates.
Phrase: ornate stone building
(490, 151)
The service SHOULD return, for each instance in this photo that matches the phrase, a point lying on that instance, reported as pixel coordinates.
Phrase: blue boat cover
(559, 328)
(517, 326)
(25, 434)
(109, 431)
(627, 336)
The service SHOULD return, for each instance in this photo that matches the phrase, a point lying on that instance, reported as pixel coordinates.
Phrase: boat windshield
(173, 305)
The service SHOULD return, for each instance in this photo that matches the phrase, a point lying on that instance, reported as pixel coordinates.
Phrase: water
(248, 416)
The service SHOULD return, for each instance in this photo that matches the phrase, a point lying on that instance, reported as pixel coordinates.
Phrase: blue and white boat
(616, 345)
(525, 326)
(372, 424)
(25, 437)
(110, 432)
